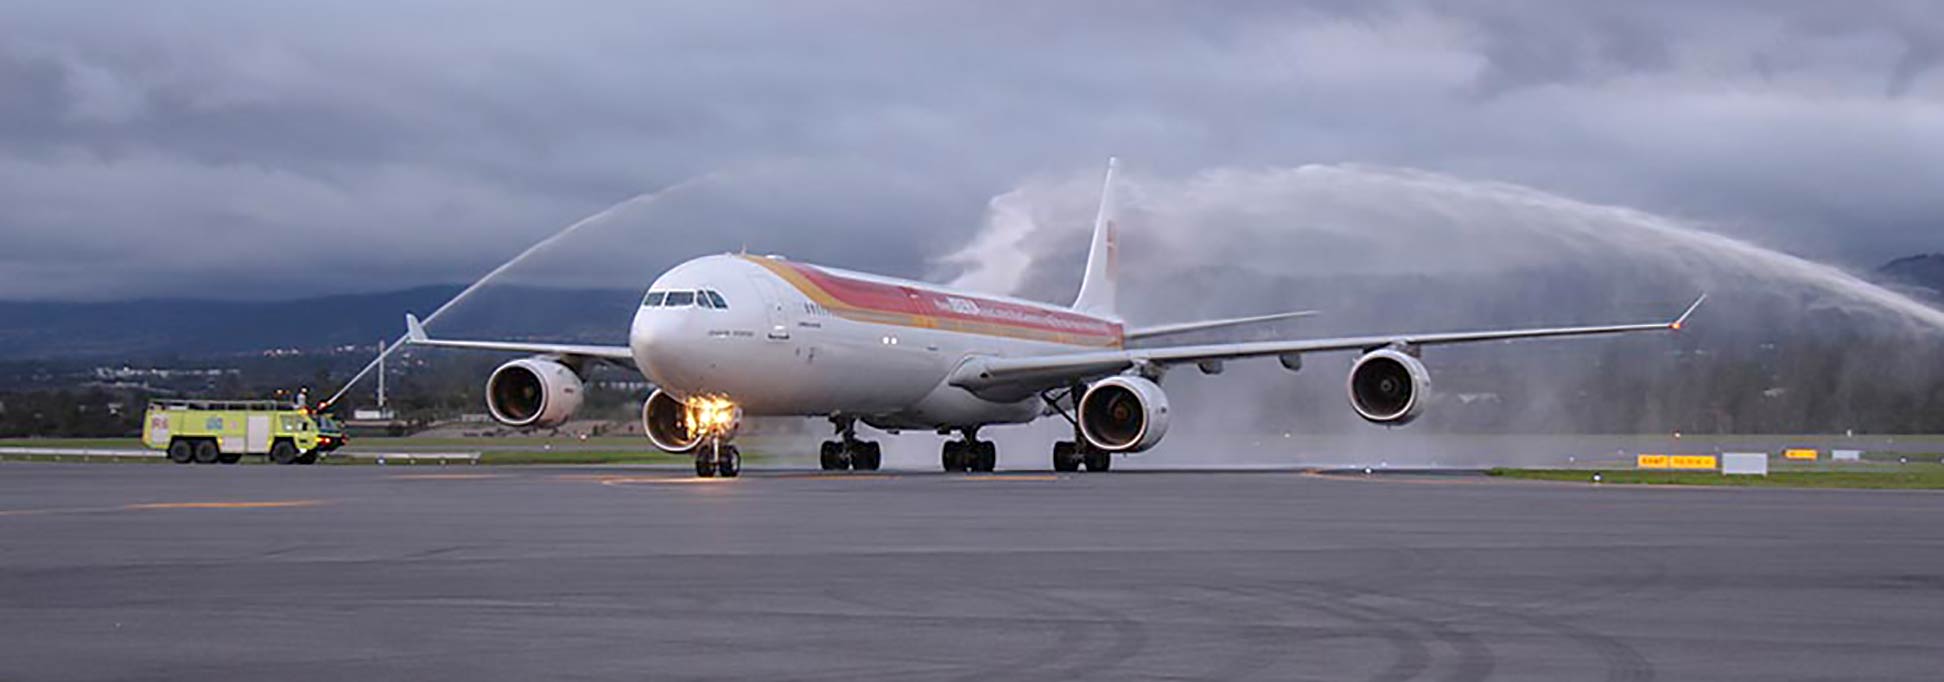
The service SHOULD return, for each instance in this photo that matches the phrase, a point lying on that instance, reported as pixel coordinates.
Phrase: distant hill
(1925, 272)
(137, 330)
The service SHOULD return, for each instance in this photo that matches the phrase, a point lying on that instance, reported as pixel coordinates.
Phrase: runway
(331, 573)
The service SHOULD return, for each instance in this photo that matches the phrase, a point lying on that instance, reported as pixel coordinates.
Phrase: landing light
(712, 417)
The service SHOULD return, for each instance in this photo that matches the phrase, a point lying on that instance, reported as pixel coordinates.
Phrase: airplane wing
(1018, 377)
(415, 335)
(1162, 329)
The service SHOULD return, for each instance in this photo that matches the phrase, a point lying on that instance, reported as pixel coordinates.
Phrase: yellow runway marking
(664, 481)
(225, 505)
(1007, 477)
(166, 505)
(444, 477)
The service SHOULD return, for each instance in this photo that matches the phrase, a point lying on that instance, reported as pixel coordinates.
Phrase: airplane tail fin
(1098, 287)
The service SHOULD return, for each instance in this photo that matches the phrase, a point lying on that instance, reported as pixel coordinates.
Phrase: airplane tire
(729, 465)
(703, 467)
(829, 455)
(1098, 460)
(207, 452)
(1066, 456)
(986, 456)
(873, 455)
(182, 451)
(282, 452)
(952, 456)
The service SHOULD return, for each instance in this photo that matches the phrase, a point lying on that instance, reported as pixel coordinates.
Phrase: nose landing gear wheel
(729, 462)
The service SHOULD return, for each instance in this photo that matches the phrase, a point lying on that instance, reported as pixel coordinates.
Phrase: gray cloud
(178, 148)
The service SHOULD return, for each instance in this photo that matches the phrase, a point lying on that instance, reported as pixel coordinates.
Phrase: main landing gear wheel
(973, 455)
(182, 451)
(207, 452)
(847, 452)
(283, 452)
(1098, 460)
(1066, 456)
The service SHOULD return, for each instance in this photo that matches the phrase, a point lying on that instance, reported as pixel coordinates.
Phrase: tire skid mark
(1413, 658)
(1073, 636)
(1126, 637)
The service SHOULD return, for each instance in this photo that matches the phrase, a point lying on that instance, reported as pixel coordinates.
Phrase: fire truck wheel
(283, 452)
(182, 451)
(207, 452)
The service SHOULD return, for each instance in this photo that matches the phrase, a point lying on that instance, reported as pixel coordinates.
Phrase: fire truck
(223, 431)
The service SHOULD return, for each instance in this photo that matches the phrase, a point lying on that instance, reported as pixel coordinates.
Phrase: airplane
(727, 336)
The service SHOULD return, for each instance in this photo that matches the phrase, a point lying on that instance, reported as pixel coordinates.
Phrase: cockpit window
(679, 299)
(654, 299)
(717, 300)
(702, 299)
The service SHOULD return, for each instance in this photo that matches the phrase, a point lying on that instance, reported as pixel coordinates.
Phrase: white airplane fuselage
(799, 339)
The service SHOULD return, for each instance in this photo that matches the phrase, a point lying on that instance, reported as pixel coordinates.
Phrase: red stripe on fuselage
(929, 308)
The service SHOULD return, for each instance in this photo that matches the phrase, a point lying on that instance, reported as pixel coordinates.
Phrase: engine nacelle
(665, 419)
(1123, 414)
(538, 392)
(1389, 386)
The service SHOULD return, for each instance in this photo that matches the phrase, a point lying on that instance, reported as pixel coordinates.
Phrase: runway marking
(632, 480)
(148, 506)
(1014, 477)
(224, 505)
(444, 477)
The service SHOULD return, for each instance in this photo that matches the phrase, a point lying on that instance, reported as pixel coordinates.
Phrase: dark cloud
(181, 148)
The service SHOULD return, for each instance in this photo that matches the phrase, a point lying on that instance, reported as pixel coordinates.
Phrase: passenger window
(717, 300)
(679, 299)
(654, 299)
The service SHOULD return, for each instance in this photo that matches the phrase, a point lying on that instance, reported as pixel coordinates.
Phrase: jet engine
(1389, 386)
(539, 391)
(1123, 414)
(677, 426)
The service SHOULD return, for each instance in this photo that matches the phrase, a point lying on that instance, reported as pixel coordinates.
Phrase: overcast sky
(267, 149)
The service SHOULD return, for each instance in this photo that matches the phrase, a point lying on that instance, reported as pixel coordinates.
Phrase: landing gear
(1070, 455)
(718, 459)
(1098, 460)
(1066, 456)
(970, 454)
(847, 452)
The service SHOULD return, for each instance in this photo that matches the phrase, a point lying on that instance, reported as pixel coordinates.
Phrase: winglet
(1681, 321)
(414, 332)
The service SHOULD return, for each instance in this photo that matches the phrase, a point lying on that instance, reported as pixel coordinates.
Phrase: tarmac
(334, 572)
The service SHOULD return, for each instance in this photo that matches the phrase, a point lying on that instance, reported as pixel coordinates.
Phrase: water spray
(643, 198)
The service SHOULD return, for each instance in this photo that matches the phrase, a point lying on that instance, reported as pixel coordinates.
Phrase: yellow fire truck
(212, 431)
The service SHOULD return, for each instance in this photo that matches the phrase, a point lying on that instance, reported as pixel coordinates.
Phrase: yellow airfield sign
(1799, 453)
(1676, 462)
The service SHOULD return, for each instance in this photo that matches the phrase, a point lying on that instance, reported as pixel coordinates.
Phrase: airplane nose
(664, 345)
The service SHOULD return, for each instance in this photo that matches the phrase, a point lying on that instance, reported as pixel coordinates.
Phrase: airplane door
(774, 302)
